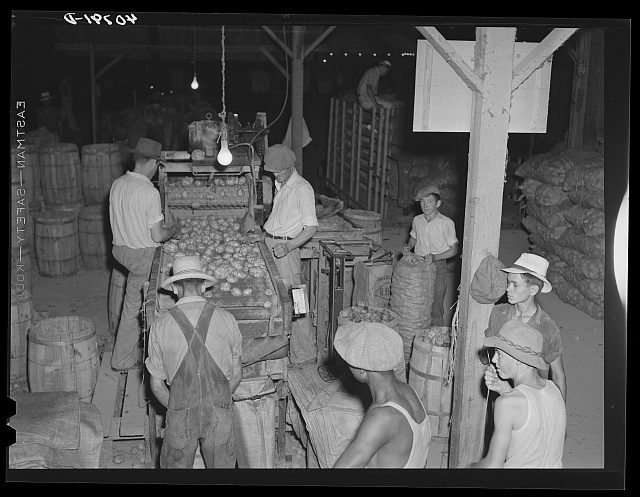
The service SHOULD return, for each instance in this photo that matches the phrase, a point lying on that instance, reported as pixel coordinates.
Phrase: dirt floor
(85, 294)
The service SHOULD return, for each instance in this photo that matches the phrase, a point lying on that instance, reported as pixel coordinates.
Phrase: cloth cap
(370, 346)
(520, 341)
(45, 95)
(147, 148)
(426, 190)
(488, 283)
(278, 157)
(188, 266)
(534, 265)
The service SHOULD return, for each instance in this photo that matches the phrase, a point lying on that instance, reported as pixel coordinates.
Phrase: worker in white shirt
(368, 86)
(292, 223)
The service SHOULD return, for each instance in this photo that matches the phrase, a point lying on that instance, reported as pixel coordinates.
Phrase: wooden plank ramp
(105, 392)
(134, 407)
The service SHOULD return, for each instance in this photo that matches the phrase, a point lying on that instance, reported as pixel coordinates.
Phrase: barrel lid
(59, 146)
(50, 216)
(101, 147)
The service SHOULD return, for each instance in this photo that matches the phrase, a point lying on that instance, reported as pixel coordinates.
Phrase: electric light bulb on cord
(194, 83)
(224, 156)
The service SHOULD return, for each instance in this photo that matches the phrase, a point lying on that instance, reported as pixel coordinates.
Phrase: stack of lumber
(565, 218)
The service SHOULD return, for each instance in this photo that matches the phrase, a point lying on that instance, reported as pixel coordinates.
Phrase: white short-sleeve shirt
(433, 237)
(294, 207)
(134, 207)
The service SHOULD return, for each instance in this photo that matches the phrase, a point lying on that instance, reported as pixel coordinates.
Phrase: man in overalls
(196, 348)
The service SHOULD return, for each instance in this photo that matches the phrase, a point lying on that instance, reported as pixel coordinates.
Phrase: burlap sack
(489, 283)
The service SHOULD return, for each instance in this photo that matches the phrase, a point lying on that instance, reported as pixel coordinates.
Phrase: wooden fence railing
(357, 154)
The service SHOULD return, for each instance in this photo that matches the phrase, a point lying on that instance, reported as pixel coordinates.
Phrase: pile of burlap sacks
(564, 193)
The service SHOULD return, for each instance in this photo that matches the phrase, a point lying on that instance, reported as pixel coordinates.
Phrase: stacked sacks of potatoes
(565, 217)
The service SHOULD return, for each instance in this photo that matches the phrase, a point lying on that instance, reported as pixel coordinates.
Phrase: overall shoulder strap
(183, 322)
(202, 327)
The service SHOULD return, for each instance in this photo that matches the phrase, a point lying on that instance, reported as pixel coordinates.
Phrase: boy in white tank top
(395, 431)
(529, 421)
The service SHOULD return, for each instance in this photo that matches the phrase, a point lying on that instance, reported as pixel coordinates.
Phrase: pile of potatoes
(229, 191)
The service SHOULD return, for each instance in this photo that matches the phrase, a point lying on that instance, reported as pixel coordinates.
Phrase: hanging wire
(223, 114)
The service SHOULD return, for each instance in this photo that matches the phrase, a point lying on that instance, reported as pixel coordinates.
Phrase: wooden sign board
(443, 100)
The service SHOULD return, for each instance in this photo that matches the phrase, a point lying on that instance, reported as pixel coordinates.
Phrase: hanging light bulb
(194, 83)
(224, 156)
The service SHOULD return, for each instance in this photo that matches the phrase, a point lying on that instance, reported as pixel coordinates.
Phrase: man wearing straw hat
(368, 86)
(530, 421)
(195, 347)
(137, 225)
(525, 279)
(48, 116)
(395, 430)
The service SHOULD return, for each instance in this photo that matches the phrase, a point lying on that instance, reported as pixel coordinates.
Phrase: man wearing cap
(137, 226)
(368, 85)
(525, 279)
(395, 431)
(195, 348)
(292, 223)
(433, 237)
(48, 116)
(530, 421)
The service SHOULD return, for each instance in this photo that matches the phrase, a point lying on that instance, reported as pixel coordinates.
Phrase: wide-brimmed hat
(370, 346)
(278, 157)
(520, 341)
(45, 95)
(426, 190)
(147, 148)
(534, 265)
(188, 266)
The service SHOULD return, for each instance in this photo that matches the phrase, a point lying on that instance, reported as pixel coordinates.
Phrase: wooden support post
(380, 136)
(487, 152)
(385, 165)
(297, 93)
(110, 65)
(329, 141)
(352, 162)
(358, 158)
(92, 76)
(371, 140)
(343, 137)
(579, 92)
(335, 141)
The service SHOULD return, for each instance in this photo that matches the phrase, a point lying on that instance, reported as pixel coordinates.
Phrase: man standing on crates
(195, 347)
(137, 226)
(292, 223)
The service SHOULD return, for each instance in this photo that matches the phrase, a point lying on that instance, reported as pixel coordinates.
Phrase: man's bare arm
(503, 420)
(372, 434)
(558, 376)
(160, 233)
(160, 390)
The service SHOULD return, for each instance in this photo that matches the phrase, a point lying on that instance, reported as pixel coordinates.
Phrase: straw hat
(278, 157)
(187, 267)
(384, 63)
(147, 148)
(520, 341)
(534, 265)
(370, 346)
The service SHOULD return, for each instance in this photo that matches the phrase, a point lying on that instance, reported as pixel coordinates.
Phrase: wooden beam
(319, 39)
(579, 91)
(110, 65)
(453, 58)
(277, 64)
(92, 76)
(487, 154)
(280, 43)
(538, 55)
(297, 89)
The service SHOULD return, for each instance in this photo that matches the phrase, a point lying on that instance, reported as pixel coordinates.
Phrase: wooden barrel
(60, 174)
(369, 220)
(25, 162)
(94, 234)
(117, 288)
(63, 356)
(57, 246)
(21, 322)
(428, 373)
(20, 219)
(101, 164)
